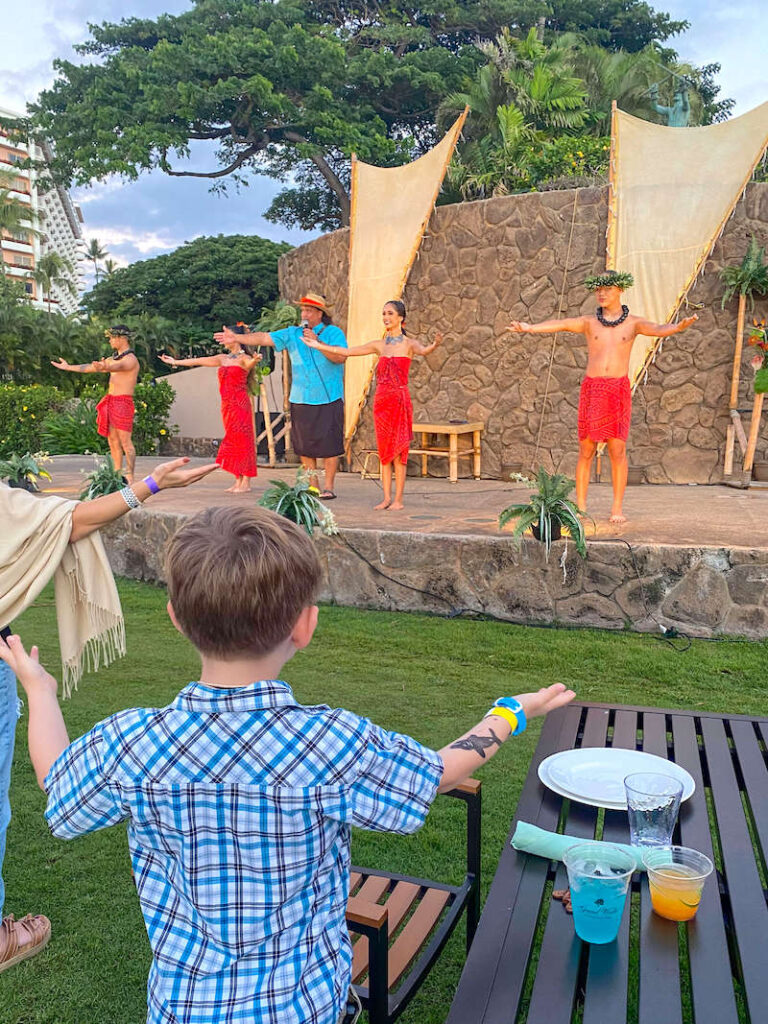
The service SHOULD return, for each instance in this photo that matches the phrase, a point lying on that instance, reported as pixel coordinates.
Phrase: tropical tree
(202, 284)
(95, 253)
(497, 162)
(539, 80)
(110, 267)
(54, 271)
(291, 88)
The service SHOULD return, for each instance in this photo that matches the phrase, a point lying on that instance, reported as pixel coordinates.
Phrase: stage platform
(691, 557)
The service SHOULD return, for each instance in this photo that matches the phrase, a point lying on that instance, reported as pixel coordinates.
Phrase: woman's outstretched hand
(173, 474)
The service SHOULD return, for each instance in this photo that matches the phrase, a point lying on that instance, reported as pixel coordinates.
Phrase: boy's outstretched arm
(47, 733)
(472, 750)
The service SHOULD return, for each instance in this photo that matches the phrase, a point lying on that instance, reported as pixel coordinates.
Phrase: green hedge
(41, 417)
(23, 409)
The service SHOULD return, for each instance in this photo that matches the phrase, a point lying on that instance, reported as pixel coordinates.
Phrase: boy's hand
(546, 699)
(26, 667)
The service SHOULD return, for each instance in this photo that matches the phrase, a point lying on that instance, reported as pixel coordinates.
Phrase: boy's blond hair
(239, 578)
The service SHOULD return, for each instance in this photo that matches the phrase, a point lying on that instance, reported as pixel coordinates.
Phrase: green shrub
(103, 479)
(153, 403)
(23, 408)
(41, 416)
(72, 430)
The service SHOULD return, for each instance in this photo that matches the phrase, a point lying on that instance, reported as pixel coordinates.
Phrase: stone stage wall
(482, 264)
(701, 591)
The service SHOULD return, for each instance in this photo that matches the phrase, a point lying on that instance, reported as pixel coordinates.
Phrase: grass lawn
(426, 676)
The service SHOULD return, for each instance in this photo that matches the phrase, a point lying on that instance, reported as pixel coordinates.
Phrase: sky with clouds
(157, 213)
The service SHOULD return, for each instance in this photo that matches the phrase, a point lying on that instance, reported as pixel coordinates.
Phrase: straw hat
(313, 299)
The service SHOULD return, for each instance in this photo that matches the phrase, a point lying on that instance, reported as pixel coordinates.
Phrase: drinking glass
(598, 875)
(676, 877)
(653, 802)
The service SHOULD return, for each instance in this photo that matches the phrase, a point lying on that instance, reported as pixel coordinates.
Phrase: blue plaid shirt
(239, 805)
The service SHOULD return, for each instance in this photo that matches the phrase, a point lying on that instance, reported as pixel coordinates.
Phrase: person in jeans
(44, 537)
(239, 800)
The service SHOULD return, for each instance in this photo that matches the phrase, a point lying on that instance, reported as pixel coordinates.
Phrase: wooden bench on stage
(453, 453)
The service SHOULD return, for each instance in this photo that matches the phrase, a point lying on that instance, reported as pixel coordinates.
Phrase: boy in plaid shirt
(239, 800)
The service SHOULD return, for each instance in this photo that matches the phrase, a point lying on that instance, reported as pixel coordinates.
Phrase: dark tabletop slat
(755, 775)
(482, 972)
(743, 882)
(659, 965)
(605, 998)
(713, 996)
(553, 991)
(521, 928)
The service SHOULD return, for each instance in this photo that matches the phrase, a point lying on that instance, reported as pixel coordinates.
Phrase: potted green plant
(300, 503)
(103, 479)
(24, 470)
(547, 511)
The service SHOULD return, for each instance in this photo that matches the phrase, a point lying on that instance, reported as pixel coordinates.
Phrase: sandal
(39, 929)
(327, 495)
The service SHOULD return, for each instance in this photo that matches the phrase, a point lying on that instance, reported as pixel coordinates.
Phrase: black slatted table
(527, 966)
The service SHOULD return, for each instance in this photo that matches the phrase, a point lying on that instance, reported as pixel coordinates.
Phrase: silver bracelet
(130, 498)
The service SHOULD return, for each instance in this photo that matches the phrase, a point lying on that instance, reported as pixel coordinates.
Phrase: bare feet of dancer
(396, 506)
(382, 505)
(617, 517)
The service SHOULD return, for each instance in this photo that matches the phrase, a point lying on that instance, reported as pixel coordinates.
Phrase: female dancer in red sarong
(392, 408)
(237, 452)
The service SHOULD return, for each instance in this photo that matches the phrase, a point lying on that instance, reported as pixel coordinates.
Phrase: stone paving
(692, 557)
(657, 514)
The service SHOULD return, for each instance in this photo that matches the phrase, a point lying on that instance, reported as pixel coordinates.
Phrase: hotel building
(57, 219)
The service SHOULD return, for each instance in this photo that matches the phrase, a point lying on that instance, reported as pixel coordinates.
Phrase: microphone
(304, 325)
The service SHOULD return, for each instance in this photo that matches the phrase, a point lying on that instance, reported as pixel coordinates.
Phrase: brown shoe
(37, 927)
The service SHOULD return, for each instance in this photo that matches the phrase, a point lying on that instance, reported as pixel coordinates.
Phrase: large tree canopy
(290, 87)
(203, 284)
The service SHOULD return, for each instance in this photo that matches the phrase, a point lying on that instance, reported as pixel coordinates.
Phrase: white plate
(595, 775)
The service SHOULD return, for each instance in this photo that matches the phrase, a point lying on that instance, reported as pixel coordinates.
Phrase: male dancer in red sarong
(605, 402)
(114, 413)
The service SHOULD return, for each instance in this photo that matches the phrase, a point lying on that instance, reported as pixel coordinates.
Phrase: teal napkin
(530, 839)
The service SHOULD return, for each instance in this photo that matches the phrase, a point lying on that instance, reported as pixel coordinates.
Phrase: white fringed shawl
(34, 546)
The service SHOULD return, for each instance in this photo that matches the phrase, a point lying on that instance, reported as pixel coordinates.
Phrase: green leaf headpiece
(610, 279)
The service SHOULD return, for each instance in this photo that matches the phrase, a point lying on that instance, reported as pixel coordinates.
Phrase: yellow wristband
(506, 714)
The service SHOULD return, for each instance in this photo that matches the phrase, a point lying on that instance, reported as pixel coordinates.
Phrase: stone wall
(700, 591)
(482, 264)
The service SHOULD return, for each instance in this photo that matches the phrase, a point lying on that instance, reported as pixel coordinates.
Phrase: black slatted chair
(399, 925)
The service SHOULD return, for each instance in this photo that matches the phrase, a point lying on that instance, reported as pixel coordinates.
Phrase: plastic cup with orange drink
(676, 876)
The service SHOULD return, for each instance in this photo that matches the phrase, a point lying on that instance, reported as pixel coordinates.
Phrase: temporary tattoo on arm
(479, 744)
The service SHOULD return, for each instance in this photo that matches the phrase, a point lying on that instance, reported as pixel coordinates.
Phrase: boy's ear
(172, 616)
(303, 631)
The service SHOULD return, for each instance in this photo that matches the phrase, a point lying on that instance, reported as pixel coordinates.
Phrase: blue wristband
(513, 705)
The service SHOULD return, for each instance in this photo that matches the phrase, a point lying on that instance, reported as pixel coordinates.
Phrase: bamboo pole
(735, 429)
(754, 430)
(736, 374)
(267, 422)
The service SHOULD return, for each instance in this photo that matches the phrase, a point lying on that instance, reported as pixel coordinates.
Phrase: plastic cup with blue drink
(598, 876)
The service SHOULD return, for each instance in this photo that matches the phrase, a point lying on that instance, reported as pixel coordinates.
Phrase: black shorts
(317, 431)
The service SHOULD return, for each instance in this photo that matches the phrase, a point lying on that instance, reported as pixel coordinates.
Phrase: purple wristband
(152, 484)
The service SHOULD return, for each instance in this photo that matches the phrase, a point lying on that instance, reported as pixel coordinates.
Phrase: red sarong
(392, 409)
(237, 452)
(114, 411)
(605, 408)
